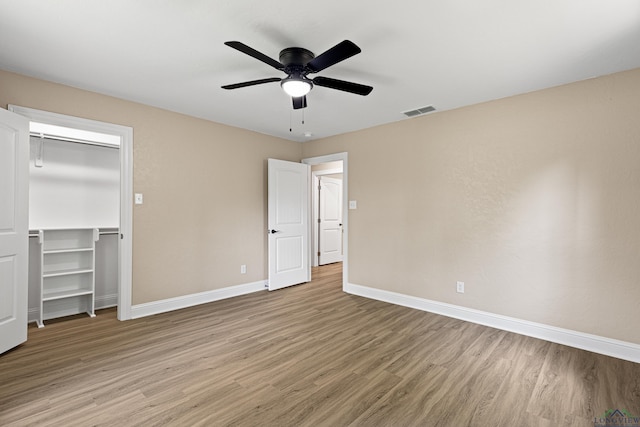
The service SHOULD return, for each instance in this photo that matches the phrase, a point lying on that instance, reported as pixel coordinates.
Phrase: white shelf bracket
(38, 161)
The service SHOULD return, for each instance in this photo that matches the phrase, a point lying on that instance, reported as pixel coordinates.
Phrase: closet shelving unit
(67, 267)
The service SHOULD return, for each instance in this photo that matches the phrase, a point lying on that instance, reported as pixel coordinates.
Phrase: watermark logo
(616, 418)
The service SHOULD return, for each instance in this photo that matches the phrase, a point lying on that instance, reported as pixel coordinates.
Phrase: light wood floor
(308, 355)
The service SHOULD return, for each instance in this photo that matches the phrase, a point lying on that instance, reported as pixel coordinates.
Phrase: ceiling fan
(297, 63)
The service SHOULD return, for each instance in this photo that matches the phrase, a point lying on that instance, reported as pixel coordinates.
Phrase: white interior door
(14, 228)
(288, 224)
(330, 220)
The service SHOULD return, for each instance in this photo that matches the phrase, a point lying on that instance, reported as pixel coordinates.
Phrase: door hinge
(318, 253)
(319, 220)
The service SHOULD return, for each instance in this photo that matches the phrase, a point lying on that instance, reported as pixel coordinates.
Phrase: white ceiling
(448, 54)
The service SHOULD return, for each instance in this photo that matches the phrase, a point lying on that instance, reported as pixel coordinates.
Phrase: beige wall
(533, 201)
(204, 187)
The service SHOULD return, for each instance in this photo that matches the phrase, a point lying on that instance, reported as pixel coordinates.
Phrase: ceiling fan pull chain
(302, 116)
(290, 119)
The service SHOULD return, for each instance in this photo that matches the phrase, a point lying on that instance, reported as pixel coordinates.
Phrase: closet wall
(77, 186)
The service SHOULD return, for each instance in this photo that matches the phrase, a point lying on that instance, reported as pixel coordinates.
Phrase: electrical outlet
(243, 269)
(460, 287)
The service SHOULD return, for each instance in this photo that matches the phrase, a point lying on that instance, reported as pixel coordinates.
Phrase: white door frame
(345, 204)
(314, 209)
(125, 133)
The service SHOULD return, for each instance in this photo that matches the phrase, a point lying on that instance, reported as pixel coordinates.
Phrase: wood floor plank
(309, 355)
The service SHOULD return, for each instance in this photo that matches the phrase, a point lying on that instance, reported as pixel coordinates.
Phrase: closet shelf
(65, 293)
(67, 279)
(67, 272)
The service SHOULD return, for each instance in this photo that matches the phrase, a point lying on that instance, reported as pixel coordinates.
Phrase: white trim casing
(594, 343)
(185, 301)
(315, 182)
(125, 269)
(345, 204)
(125, 264)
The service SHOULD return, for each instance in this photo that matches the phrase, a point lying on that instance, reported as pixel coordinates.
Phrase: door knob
(274, 231)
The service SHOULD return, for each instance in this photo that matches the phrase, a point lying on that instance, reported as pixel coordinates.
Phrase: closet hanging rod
(69, 139)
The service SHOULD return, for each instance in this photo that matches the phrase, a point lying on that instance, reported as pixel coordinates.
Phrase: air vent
(419, 111)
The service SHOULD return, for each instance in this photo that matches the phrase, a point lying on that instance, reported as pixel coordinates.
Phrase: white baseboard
(162, 306)
(594, 343)
(33, 314)
(103, 301)
(106, 301)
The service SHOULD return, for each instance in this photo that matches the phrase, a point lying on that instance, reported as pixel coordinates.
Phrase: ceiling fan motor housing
(295, 60)
(296, 57)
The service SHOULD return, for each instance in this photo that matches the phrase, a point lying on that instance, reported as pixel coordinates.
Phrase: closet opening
(80, 215)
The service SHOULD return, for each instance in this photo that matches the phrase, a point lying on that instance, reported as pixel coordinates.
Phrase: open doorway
(66, 134)
(326, 208)
(335, 160)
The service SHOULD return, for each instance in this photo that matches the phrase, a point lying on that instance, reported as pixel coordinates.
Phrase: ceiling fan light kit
(297, 63)
(296, 86)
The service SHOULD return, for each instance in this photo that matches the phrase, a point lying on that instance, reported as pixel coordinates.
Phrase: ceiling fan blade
(340, 52)
(299, 102)
(251, 83)
(345, 86)
(254, 53)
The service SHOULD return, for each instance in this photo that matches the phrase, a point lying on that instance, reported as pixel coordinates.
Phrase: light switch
(353, 204)
(138, 198)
